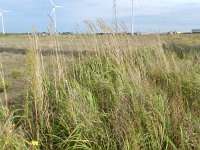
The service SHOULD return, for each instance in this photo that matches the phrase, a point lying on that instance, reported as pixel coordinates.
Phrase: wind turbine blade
(58, 6)
(6, 11)
(53, 11)
(52, 3)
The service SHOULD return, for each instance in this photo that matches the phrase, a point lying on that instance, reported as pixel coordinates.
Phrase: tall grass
(112, 96)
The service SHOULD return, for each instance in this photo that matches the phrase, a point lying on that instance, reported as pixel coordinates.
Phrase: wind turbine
(2, 19)
(115, 15)
(134, 6)
(53, 13)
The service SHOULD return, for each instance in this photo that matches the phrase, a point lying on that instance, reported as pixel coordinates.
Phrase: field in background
(13, 50)
(100, 92)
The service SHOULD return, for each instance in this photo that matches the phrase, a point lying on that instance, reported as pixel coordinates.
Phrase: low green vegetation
(117, 98)
(16, 73)
(4, 86)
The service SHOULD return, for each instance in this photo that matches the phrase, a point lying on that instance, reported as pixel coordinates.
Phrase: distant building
(173, 32)
(43, 33)
(137, 33)
(66, 33)
(196, 31)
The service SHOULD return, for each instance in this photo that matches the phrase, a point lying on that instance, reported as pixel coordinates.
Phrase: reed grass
(112, 96)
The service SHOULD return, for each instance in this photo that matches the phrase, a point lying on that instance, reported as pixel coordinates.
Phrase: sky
(150, 15)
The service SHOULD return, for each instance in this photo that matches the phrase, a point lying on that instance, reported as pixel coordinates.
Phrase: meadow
(98, 92)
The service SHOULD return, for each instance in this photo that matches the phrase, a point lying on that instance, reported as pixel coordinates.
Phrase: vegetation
(4, 86)
(112, 96)
(16, 73)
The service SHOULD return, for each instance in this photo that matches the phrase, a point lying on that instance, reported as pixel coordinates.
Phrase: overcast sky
(151, 15)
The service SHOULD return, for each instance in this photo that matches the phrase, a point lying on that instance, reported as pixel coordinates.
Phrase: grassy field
(100, 92)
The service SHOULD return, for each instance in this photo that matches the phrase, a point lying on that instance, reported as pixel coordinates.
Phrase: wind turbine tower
(53, 14)
(134, 5)
(115, 15)
(1, 15)
(2, 19)
(132, 22)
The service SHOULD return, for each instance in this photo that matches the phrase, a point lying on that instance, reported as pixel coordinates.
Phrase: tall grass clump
(114, 95)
